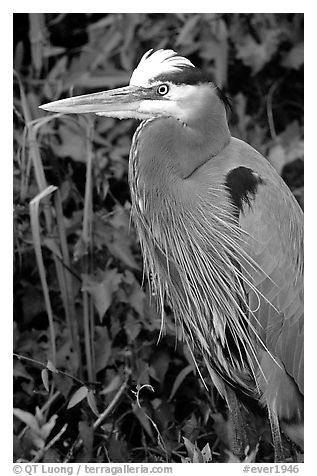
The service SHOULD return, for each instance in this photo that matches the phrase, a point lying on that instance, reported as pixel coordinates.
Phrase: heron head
(163, 84)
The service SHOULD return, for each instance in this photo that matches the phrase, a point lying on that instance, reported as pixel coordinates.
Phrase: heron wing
(272, 230)
(274, 223)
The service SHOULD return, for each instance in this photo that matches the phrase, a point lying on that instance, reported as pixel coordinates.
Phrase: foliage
(94, 379)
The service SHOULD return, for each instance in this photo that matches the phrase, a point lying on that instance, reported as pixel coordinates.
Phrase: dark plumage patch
(187, 75)
(242, 184)
(192, 76)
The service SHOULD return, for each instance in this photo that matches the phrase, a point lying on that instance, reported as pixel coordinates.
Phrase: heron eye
(162, 89)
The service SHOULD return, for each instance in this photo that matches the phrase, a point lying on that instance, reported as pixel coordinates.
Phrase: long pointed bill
(121, 102)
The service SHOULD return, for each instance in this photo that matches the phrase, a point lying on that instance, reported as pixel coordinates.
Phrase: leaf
(103, 347)
(190, 447)
(295, 58)
(102, 291)
(187, 32)
(206, 453)
(120, 247)
(66, 357)
(159, 366)
(288, 147)
(112, 386)
(257, 55)
(194, 453)
(92, 402)
(20, 371)
(143, 371)
(132, 327)
(277, 157)
(77, 397)
(48, 427)
(118, 450)
(179, 379)
(143, 419)
(72, 142)
(44, 375)
(38, 432)
(53, 78)
(198, 457)
(164, 414)
(50, 366)
(27, 418)
(214, 48)
(119, 241)
(291, 133)
(136, 298)
(64, 384)
(80, 249)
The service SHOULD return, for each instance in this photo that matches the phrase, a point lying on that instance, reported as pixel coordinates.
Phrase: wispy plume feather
(204, 279)
(158, 63)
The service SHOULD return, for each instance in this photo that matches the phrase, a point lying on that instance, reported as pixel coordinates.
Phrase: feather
(156, 63)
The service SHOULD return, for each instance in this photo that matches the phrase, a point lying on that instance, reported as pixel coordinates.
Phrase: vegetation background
(93, 378)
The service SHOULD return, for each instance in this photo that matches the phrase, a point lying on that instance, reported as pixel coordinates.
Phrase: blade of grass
(88, 316)
(35, 227)
(29, 133)
(32, 130)
(26, 164)
(87, 219)
(67, 284)
(63, 277)
(37, 36)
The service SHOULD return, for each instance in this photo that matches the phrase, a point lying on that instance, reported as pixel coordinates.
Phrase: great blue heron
(221, 233)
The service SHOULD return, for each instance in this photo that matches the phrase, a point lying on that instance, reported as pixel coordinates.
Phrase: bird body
(270, 265)
(221, 234)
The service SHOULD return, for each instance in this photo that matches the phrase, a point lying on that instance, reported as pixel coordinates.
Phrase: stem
(87, 334)
(41, 453)
(41, 364)
(269, 109)
(79, 442)
(111, 405)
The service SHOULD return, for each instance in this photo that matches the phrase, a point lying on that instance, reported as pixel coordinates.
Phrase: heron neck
(205, 133)
(171, 150)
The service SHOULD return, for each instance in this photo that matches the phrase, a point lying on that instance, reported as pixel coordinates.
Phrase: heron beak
(120, 102)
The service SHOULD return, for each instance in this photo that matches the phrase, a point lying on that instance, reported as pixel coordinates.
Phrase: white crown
(154, 64)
